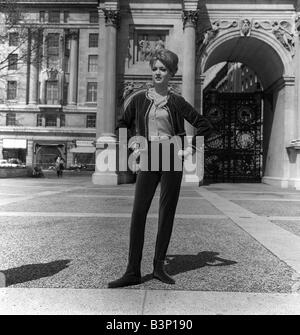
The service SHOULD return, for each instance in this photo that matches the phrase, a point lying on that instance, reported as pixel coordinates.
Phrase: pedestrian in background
(157, 114)
(59, 166)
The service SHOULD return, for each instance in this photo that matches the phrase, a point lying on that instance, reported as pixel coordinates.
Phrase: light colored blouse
(159, 123)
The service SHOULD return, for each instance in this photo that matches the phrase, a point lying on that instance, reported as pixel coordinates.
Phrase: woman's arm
(201, 123)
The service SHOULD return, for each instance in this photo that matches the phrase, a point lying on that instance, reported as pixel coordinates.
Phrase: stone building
(262, 34)
(235, 77)
(48, 100)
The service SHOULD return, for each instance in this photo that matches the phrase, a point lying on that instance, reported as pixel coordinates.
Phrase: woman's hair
(167, 57)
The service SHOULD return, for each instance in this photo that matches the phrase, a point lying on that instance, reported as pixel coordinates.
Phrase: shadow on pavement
(183, 263)
(30, 272)
(176, 264)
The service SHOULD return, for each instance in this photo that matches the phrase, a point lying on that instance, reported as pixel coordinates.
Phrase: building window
(39, 120)
(91, 121)
(93, 63)
(54, 16)
(93, 40)
(11, 90)
(52, 92)
(42, 16)
(52, 49)
(91, 92)
(11, 119)
(66, 16)
(13, 39)
(53, 44)
(93, 17)
(12, 61)
(50, 120)
(62, 120)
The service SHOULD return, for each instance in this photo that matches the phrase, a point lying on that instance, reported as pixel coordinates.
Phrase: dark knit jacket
(135, 116)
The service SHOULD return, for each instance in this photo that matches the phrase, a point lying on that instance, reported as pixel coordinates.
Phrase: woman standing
(157, 115)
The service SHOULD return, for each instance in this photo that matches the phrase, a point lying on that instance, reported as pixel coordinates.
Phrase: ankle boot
(159, 273)
(126, 280)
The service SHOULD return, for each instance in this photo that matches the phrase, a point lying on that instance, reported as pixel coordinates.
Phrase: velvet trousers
(146, 184)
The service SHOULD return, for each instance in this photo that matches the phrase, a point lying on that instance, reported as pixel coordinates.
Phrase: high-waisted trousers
(146, 185)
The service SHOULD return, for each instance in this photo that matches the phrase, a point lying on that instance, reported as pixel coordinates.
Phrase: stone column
(29, 157)
(190, 18)
(1, 149)
(43, 72)
(72, 93)
(33, 79)
(43, 89)
(106, 144)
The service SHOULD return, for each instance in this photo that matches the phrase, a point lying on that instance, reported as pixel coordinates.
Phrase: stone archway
(46, 156)
(273, 63)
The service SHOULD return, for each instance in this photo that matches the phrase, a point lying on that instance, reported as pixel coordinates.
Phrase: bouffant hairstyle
(167, 57)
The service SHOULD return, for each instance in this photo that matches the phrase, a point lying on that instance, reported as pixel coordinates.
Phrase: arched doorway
(273, 64)
(46, 156)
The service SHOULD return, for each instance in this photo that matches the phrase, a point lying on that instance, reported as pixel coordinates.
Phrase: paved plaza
(235, 249)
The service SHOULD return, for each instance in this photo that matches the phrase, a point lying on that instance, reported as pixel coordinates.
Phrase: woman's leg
(170, 189)
(146, 184)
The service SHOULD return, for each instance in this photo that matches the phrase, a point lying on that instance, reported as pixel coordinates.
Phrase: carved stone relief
(148, 48)
(142, 43)
(246, 26)
(208, 35)
(282, 30)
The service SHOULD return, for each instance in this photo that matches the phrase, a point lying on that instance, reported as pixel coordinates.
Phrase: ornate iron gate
(234, 152)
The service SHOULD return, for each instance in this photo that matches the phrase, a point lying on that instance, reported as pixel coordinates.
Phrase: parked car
(15, 162)
(4, 163)
(78, 167)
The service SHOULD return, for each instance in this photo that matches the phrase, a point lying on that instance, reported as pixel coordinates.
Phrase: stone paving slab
(60, 203)
(264, 208)
(43, 301)
(212, 303)
(263, 230)
(291, 226)
(248, 187)
(204, 254)
(254, 196)
(138, 302)
(219, 266)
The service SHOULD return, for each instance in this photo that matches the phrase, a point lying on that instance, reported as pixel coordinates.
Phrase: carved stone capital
(190, 18)
(112, 17)
(73, 34)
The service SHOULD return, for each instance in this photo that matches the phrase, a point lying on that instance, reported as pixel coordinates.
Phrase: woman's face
(160, 74)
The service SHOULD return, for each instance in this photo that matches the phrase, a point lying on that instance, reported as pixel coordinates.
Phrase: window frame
(93, 42)
(9, 90)
(12, 64)
(39, 120)
(91, 95)
(54, 18)
(53, 87)
(93, 67)
(11, 116)
(91, 120)
(52, 117)
(94, 17)
(13, 42)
